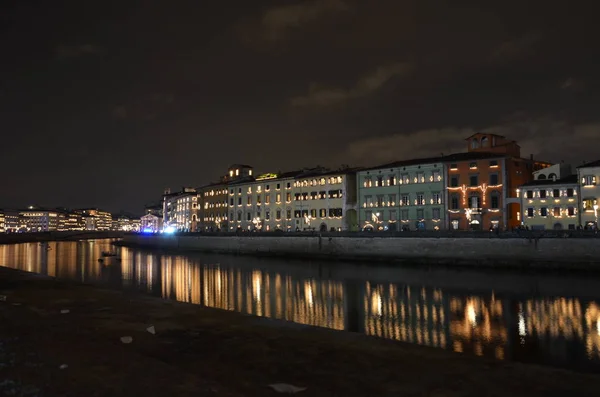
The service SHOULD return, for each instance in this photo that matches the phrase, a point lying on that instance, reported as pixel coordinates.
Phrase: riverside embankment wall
(562, 252)
(16, 238)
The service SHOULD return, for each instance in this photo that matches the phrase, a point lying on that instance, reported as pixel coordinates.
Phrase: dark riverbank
(17, 238)
(202, 351)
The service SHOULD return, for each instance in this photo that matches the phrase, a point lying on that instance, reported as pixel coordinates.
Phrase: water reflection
(556, 330)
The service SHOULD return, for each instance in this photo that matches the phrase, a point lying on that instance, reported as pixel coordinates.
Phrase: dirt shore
(207, 352)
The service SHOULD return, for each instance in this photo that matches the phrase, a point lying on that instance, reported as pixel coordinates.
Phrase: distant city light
(148, 230)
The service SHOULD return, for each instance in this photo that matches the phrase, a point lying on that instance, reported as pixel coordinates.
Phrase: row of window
(321, 213)
(493, 180)
(331, 194)
(474, 201)
(474, 165)
(556, 212)
(405, 179)
(405, 199)
(530, 194)
(333, 180)
(392, 215)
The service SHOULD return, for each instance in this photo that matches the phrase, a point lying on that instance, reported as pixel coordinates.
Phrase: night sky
(106, 103)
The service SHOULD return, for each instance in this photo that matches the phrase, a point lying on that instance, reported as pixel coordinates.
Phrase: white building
(262, 204)
(180, 210)
(550, 201)
(325, 200)
(589, 180)
(151, 223)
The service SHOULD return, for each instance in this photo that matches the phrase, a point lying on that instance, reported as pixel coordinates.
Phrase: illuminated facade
(95, 219)
(589, 182)
(151, 223)
(550, 201)
(38, 220)
(262, 204)
(325, 200)
(70, 221)
(405, 195)
(180, 210)
(2, 230)
(482, 183)
(213, 207)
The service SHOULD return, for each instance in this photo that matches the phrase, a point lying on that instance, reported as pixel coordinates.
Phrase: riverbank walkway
(58, 338)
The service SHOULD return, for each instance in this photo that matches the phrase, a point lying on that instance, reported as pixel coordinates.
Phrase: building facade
(405, 195)
(39, 220)
(151, 223)
(213, 207)
(262, 204)
(95, 219)
(550, 201)
(2, 227)
(325, 200)
(180, 210)
(589, 180)
(483, 183)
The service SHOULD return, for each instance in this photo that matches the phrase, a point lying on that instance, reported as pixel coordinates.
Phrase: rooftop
(590, 164)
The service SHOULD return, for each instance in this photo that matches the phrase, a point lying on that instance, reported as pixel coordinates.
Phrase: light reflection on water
(519, 325)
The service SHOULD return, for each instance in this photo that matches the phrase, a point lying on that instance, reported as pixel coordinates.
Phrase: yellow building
(589, 182)
(262, 204)
(550, 201)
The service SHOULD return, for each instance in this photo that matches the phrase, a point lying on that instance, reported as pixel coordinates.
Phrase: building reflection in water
(558, 330)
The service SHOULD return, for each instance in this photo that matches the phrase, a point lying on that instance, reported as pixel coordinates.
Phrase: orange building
(482, 183)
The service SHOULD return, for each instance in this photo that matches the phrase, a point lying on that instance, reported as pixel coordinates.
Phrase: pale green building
(405, 195)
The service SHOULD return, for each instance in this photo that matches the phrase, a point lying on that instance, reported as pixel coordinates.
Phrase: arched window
(552, 176)
(541, 177)
(484, 141)
(474, 143)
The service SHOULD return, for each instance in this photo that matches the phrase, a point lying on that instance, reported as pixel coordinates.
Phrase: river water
(539, 318)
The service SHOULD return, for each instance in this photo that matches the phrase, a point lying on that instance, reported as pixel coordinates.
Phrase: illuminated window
(322, 213)
(556, 211)
(405, 199)
(420, 198)
(571, 211)
(288, 197)
(237, 172)
(392, 180)
(278, 215)
(268, 199)
(473, 165)
(588, 180)
(436, 198)
(288, 215)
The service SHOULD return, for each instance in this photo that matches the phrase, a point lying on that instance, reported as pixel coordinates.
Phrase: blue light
(169, 230)
(148, 230)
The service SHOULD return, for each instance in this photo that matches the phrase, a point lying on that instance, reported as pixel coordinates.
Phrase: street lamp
(307, 220)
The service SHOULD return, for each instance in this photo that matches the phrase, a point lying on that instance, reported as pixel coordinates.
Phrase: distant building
(95, 219)
(405, 195)
(38, 220)
(180, 210)
(550, 201)
(213, 207)
(589, 182)
(151, 223)
(12, 221)
(2, 230)
(70, 221)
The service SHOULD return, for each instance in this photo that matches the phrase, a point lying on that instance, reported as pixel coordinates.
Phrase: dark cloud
(74, 51)
(169, 94)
